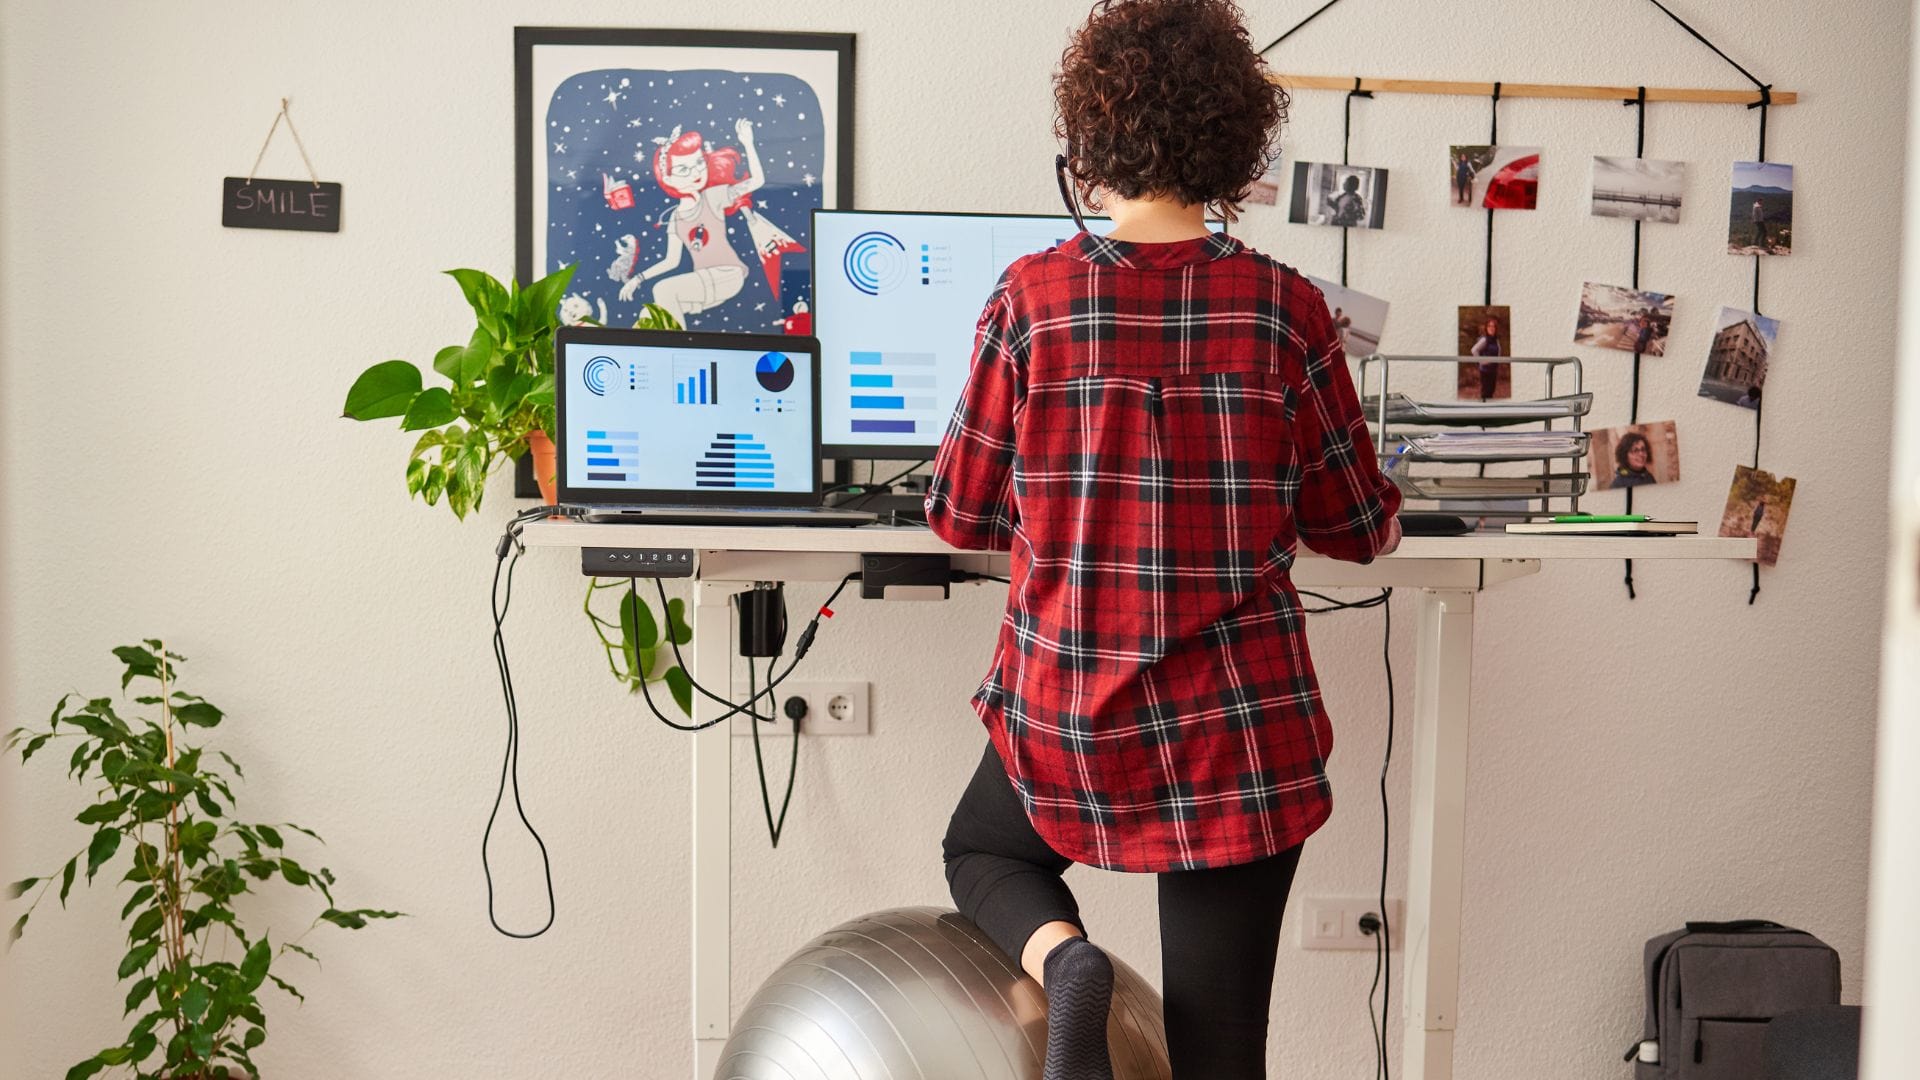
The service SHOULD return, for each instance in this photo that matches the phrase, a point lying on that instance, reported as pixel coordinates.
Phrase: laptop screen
(652, 417)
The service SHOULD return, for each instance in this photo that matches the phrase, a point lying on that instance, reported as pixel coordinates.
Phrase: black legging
(1219, 928)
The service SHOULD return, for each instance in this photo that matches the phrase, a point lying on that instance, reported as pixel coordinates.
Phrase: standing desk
(1444, 572)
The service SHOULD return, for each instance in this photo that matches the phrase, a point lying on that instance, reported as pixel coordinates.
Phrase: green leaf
(255, 1036)
(385, 389)
(105, 843)
(139, 957)
(477, 357)
(140, 896)
(206, 803)
(356, 919)
(253, 969)
(232, 764)
(146, 925)
(677, 621)
(288, 987)
(138, 994)
(430, 408)
(644, 630)
(447, 362)
(195, 1001)
(294, 873)
(66, 878)
(86, 1068)
(682, 688)
(19, 927)
(540, 394)
(269, 835)
(303, 951)
(543, 296)
(199, 714)
(19, 888)
(483, 291)
(33, 745)
(102, 812)
(139, 662)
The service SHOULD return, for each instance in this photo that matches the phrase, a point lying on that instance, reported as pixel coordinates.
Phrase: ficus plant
(164, 808)
(500, 392)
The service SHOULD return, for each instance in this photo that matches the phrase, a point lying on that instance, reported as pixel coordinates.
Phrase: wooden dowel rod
(1531, 90)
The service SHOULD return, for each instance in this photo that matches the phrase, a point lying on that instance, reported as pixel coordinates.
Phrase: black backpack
(1712, 988)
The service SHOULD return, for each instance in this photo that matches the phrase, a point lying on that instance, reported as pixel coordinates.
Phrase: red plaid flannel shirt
(1148, 428)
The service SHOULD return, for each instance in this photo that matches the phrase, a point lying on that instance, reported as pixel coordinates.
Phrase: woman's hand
(743, 128)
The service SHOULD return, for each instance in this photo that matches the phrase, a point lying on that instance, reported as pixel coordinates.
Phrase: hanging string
(1297, 26)
(1493, 139)
(1346, 141)
(277, 117)
(1766, 99)
(1639, 102)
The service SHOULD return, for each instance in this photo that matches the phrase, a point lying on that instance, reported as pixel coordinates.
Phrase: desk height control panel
(636, 562)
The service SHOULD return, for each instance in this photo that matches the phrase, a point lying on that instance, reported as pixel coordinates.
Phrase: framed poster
(680, 168)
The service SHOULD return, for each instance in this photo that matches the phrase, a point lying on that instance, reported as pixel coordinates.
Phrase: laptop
(668, 428)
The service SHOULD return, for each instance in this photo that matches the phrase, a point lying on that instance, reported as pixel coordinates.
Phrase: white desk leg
(712, 891)
(1443, 667)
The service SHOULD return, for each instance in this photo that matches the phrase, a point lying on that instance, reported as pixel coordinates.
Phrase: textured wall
(174, 467)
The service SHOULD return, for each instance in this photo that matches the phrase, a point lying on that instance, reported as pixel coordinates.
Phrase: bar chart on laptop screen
(899, 299)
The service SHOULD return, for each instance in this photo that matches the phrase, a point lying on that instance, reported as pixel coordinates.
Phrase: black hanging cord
(1766, 99)
(1639, 102)
(1702, 39)
(1297, 26)
(1346, 140)
(1493, 139)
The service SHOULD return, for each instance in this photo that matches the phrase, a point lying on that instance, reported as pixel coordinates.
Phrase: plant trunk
(544, 468)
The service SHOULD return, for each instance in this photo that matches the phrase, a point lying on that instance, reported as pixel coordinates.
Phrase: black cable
(1298, 25)
(1639, 103)
(879, 488)
(1383, 967)
(774, 828)
(646, 695)
(1766, 98)
(506, 554)
(1493, 140)
(1346, 141)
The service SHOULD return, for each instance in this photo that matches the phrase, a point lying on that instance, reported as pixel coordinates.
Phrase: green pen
(1607, 519)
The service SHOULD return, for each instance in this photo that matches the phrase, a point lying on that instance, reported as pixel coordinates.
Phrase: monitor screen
(646, 416)
(896, 300)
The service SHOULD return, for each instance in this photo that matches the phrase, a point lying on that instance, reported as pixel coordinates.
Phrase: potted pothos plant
(498, 406)
(164, 808)
(499, 403)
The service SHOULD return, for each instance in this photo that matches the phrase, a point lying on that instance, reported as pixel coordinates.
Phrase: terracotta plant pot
(544, 469)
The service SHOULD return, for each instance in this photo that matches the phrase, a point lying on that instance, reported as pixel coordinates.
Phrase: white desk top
(890, 539)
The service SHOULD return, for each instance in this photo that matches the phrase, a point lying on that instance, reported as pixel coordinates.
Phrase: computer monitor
(897, 297)
(650, 417)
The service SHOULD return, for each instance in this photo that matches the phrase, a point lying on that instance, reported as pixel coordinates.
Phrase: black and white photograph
(1349, 196)
(1639, 188)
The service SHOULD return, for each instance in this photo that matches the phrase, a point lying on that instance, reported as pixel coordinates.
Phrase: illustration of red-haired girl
(709, 186)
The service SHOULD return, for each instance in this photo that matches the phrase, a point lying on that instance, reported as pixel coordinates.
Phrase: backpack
(1712, 987)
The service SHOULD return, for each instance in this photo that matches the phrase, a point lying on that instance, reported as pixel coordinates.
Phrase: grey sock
(1079, 982)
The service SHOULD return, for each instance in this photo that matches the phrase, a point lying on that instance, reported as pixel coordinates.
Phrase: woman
(1632, 459)
(1153, 419)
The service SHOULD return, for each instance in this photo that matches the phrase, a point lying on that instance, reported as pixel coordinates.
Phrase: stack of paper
(1497, 445)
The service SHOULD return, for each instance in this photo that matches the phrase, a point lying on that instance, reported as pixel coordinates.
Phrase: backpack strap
(1737, 926)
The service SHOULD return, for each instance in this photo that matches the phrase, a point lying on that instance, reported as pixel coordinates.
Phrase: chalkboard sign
(280, 204)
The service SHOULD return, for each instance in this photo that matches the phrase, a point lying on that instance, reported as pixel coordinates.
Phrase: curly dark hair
(1167, 98)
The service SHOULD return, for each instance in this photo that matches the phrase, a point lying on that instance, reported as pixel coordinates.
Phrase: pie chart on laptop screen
(775, 372)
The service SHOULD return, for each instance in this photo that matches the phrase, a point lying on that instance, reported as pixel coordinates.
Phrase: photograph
(1757, 506)
(680, 168)
(1615, 318)
(1639, 188)
(1357, 317)
(1737, 360)
(1637, 454)
(1761, 221)
(1264, 191)
(1485, 332)
(1350, 196)
(1494, 177)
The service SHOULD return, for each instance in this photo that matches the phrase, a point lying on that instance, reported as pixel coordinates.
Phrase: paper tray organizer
(1553, 484)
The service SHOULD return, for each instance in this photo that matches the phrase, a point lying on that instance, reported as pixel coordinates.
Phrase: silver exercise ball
(920, 994)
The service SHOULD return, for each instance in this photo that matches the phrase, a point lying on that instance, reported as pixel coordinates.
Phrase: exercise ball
(920, 994)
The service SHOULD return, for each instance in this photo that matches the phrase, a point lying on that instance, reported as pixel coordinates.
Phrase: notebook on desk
(669, 428)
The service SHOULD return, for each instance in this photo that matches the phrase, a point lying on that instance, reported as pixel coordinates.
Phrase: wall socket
(833, 708)
(1334, 922)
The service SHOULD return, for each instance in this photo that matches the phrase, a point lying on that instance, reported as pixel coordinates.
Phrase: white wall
(174, 466)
